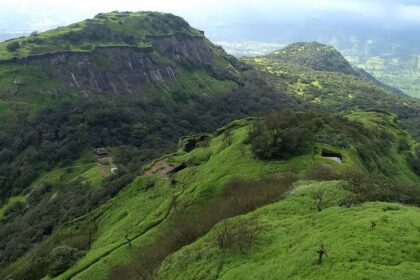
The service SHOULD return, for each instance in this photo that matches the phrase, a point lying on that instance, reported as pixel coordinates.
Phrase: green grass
(292, 233)
(10, 202)
(136, 25)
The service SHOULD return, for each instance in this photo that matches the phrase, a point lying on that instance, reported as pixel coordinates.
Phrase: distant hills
(315, 56)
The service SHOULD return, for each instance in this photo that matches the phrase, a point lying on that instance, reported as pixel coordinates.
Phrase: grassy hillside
(291, 231)
(105, 30)
(158, 208)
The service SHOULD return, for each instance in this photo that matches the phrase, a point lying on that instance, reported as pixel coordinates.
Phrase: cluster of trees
(281, 135)
(91, 32)
(42, 213)
(61, 258)
(414, 159)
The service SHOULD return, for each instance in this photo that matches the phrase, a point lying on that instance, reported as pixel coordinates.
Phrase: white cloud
(409, 13)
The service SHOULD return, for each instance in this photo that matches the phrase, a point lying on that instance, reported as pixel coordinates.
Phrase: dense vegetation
(285, 134)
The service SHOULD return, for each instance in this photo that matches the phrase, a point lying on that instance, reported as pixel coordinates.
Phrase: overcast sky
(26, 15)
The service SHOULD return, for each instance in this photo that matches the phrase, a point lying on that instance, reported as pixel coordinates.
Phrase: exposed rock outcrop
(120, 70)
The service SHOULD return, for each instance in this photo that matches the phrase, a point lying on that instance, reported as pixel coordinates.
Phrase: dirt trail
(160, 168)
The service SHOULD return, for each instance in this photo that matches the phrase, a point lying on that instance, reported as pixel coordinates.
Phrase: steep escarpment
(121, 69)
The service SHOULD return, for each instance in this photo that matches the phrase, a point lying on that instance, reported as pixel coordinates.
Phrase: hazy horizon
(22, 16)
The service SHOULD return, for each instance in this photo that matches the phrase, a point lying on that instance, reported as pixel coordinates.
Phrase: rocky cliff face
(121, 70)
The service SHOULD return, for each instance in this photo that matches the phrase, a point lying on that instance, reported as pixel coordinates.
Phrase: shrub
(61, 258)
(377, 187)
(322, 172)
(13, 46)
(239, 236)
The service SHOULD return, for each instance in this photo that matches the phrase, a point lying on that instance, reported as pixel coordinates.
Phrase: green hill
(105, 30)
(329, 88)
(181, 196)
(315, 56)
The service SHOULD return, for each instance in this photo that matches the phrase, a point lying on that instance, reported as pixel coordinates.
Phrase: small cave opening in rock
(191, 143)
(177, 168)
(332, 155)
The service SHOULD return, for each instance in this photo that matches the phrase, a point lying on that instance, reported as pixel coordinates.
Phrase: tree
(61, 258)
(92, 228)
(318, 197)
(242, 149)
(281, 135)
(126, 234)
